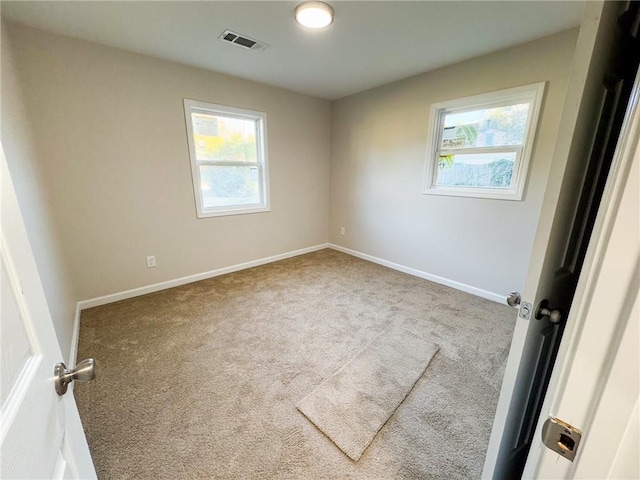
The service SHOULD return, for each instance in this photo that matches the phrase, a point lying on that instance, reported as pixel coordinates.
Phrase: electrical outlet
(151, 261)
(342, 231)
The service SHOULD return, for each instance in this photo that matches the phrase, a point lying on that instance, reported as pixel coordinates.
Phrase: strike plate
(561, 437)
(525, 310)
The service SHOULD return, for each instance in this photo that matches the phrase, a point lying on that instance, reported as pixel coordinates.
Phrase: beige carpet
(202, 381)
(352, 405)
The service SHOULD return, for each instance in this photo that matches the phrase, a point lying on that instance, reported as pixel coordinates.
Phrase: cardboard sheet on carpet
(352, 405)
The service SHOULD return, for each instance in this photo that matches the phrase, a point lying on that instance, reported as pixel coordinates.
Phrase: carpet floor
(202, 380)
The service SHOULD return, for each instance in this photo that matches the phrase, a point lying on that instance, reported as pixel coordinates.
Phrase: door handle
(543, 310)
(514, 299)
(84, 371)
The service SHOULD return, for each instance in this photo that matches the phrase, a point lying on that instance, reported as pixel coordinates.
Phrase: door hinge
(561, 437)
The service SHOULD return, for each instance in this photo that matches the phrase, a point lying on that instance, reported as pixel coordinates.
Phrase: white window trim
(533, 93)
(262, 163)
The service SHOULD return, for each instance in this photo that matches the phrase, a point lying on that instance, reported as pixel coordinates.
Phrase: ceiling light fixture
(314, 14)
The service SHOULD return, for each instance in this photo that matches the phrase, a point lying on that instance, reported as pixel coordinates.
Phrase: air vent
(242, 41)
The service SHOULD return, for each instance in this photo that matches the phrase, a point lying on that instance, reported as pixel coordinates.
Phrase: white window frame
(528, 93)
(194, 106)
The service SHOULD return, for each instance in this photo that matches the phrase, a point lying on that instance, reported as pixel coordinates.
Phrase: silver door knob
(514, 299)
(85, 371)
(543, 310)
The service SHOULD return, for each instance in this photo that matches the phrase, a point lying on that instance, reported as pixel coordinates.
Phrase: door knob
(85, 371)
(514, 299)
(543, 310)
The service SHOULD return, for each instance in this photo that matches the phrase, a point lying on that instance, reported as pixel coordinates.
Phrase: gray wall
(35, 200)
(377, 171)
(110, 131)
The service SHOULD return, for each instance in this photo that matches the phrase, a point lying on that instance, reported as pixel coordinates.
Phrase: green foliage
(445, 161)
(236, 148)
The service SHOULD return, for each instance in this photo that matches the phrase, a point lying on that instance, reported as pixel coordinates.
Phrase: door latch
(561, 437)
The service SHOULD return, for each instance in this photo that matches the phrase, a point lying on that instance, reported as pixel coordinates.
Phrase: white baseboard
(419, 273)
(156, 287)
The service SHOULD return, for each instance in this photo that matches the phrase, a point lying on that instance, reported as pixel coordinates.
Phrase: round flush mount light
(314, 14)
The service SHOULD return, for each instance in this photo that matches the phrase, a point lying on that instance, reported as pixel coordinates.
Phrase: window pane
(487, 127)
(224, 139)
(227, 186)
(488, 170)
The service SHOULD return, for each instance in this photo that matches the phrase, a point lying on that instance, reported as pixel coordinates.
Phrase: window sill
(489, 193)
(224, 212)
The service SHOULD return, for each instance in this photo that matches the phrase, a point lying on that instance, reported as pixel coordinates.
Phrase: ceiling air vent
(242, 41)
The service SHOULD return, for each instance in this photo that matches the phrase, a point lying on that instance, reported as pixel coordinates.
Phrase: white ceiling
(370, 43)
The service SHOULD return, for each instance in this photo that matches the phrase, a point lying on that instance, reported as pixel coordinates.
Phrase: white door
(40, 431)
(597, 387)
(536, 340)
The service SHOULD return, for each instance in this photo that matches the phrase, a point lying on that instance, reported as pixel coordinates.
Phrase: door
(596, 100)
(597, 386)
(40, 431)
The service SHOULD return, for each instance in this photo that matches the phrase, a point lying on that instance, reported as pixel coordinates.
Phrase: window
(480, 146)
(228, 154)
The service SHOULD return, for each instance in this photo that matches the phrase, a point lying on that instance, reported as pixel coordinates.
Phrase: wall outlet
(342, 231)
(151, 261)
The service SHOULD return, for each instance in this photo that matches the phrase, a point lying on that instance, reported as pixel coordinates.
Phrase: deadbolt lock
(561, 437)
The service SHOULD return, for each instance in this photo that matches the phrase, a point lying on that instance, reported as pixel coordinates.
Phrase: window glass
(487, 127)
(224, 139)
(491, 170)
(224, 186)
